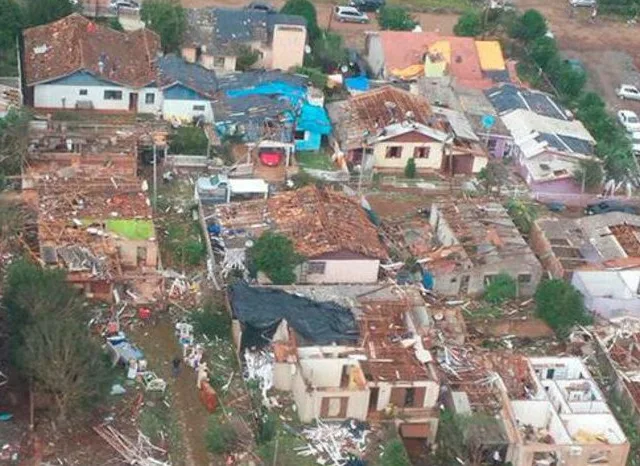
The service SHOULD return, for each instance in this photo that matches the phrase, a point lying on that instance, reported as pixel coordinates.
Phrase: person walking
(175, 370)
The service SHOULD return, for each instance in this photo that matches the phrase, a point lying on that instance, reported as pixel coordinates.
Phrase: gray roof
(173, 69)
(222, 29)
(564, 143)
(247, 79)
(508, 97)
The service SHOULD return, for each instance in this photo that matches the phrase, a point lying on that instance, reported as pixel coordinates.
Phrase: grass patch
(188, 140)
(132, 229)
(159, 424)
(457, 6)
(315, 160)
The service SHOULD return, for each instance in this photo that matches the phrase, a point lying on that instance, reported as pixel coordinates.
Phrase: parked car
(260, 6)
(588, 3)
(350, 14)
(367, 5)
(556, 206)
(626, 91)
(635, 142)
(604, 207)
(130, 4)
(629, 120)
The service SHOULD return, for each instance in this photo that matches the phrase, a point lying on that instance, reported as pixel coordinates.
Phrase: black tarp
(261, 310)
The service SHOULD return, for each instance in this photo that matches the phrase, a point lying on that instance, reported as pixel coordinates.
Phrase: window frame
(316, 267)
(83, 92)
(199, 108)
(146, 98)
(420, 149)
(392, 149)
(115, 94)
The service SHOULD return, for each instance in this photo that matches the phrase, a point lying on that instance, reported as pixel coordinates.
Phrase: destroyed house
(331, 230)
(338, 362)
(476, 242)
(100, 231)
(75, 63)
(387, 126)
(215, 37)
(599, 254)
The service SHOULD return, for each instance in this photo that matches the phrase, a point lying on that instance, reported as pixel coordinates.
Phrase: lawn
(431, 5)
(132, 229)
(316, 160)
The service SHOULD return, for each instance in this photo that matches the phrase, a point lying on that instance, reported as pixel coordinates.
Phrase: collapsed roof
(261, 310)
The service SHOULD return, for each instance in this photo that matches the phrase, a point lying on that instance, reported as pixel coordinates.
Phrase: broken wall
(340, 271)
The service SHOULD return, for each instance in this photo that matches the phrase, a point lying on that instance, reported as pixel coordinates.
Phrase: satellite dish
(488, 121)
(307, 49)
(248, 243)
(344, 68)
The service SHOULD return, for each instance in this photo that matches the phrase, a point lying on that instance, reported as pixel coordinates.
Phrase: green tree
(49, 339)
(114, 23)
(188, 140)
(220, 436)
(568, 80)
(395, 18)
(493, 176)
(468, 25)
(522, 213)
(45, 11)
(167, 18)
(14, 141)
(327, 53)
(560, 305)
(500, 289)
(246, 57)
(590, 174)
(543, 51)
(530, 26)
(305, 9)
(274, 255)
(410, 168)
(11, 21)
(395, 454)
(315, 75)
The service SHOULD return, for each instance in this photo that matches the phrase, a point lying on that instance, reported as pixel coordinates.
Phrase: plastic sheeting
(262, 309)
(357, 83)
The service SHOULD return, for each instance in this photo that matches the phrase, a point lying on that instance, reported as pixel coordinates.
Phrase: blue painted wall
(311, 143)
(180, 92)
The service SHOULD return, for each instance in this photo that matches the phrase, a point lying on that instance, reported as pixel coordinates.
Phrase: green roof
(131, 229)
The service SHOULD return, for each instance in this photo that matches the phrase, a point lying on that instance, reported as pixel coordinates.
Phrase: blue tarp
(357, 83)
(294, 94)
(313, 118)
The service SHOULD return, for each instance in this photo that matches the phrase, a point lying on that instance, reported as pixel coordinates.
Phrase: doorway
(133, 102)
(373, 398)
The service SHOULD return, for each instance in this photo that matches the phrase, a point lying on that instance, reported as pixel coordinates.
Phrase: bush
(560, 305)
(530, 26)
(502, 288)
(468, 25)
(522, 213)
(543, 51)
(305, 9)
(395, 18)
(246, 58)
(114, 23)
(274, 255)
(315, 75)
(327, 53)
(267, 427)
(395, 454)
(566, 79)
(167, 18)
(213, 321)
(188, 140)
(410, 168)
(220, 437)
(589, 173)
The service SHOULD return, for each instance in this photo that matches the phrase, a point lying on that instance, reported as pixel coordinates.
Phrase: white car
(589, 3)
(350, 14)
(626, 91)
(635, 142)
(629, 120)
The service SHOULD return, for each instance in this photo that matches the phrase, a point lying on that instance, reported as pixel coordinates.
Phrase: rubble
(139, 453)
(335, 444)
(259, 367)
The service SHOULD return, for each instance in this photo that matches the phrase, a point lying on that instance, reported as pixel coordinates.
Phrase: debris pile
(141, 452)
(259, 367)
(336, 444)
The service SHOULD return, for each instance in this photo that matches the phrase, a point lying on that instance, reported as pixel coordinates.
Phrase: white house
(609, 293)
(75, 63)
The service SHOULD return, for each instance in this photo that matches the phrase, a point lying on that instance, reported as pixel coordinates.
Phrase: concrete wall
(344, 271)
(288, 46)
(183, 109)
(542, 248)
(621, 301)
(384, 394)
(66, 96)
(433, 162)
(479, 163)
(374, 55)
(128, 252)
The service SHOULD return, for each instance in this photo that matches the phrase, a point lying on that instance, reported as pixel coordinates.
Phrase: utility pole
(155, 176)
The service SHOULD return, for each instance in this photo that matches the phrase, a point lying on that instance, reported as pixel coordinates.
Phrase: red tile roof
(75, 43)
(405, 48)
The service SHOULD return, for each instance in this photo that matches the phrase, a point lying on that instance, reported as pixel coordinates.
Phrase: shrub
(530, 26)
(543, 50)
(589, 173)
(274, 255)
(522, 213)
(560, 305)
(220, 436)
(188, 140)
(267, 426)
(327, 53)
(168, 19)
(305, 9)
(246, 58)
(410, 168)
(315, 75)
(395, 18)
(395, 454)
(114, 23)
(212, 321)
(500, 289)
(469, 24)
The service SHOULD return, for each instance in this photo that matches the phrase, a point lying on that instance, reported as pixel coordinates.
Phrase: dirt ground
(608, 48)
(353, 33)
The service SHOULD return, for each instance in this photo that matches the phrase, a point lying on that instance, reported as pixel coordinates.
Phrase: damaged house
(476, 242)
(339, 363)
(385, 127)
(329, 229)
(74, 63)
(99, 229)
(599, 254)
(215, 37)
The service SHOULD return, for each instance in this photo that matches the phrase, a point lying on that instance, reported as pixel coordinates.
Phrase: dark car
(367, 5)
(603, 207)
(260, 6)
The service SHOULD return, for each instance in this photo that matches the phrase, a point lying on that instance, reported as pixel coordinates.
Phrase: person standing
(175, 370)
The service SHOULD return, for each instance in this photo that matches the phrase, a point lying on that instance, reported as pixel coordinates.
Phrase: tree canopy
(501, 288)
(560, 305)
(11, 21)
(167, 18)
(247, 57)
(305, 9)
(50, 342)
(530, 26)
(395, 18)
(45, 11)
(13, 142)
(469, 24)
(522, 213)
(274, 255)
